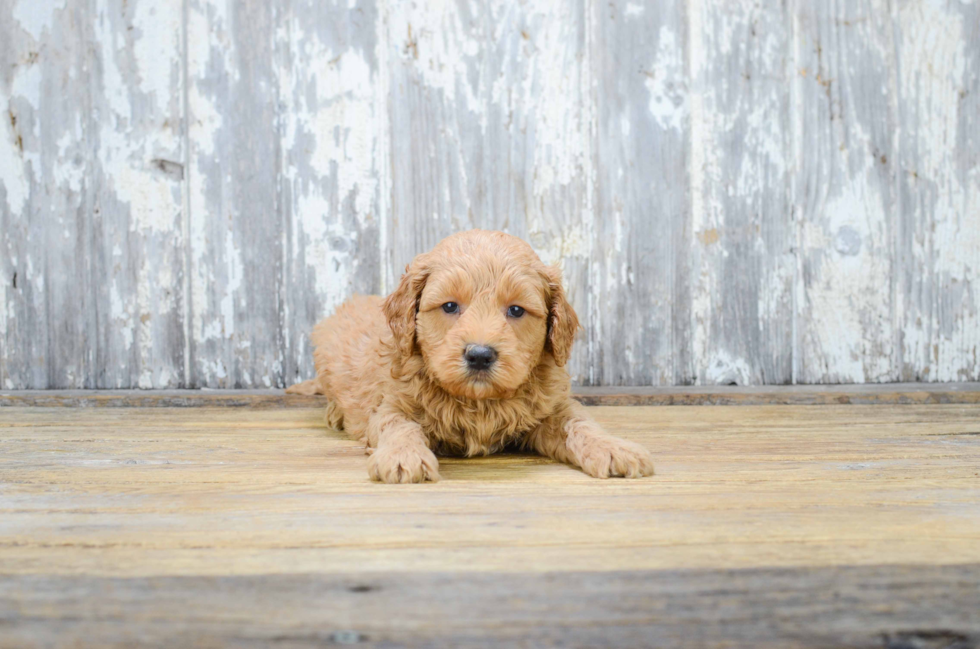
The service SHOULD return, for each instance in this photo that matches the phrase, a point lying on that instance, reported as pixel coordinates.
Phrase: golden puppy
(465, 358)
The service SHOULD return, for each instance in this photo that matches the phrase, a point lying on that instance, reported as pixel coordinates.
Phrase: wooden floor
(809, 526)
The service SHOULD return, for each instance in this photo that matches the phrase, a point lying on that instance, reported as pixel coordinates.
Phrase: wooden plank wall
(739, 191)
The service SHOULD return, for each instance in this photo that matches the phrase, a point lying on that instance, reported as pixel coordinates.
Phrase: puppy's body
(353, 353)
(401, 375)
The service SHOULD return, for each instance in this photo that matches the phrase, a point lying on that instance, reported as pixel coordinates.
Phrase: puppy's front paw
(402, 464)
(607, 457)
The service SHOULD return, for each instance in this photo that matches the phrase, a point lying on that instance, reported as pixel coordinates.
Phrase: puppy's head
(481, 310)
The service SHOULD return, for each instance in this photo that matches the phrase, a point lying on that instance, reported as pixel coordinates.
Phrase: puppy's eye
(450, 307)
(515, 311)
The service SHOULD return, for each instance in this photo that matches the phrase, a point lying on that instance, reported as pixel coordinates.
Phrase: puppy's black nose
(480, 357)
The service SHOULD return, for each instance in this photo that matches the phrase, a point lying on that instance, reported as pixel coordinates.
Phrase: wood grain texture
(844, 194)
(331, 108)
(642, 197)
(140, 492)
(236, 305)
(741, 239)
(93, 179)
(46, 219)
(880, 607)
(137, 256)
(939, 241)
(765, 526)
(751, 192)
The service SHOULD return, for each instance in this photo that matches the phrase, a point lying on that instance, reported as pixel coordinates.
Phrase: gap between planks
(800, 395)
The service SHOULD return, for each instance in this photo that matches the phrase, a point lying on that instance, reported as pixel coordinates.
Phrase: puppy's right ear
(562, 320)
(402, 306)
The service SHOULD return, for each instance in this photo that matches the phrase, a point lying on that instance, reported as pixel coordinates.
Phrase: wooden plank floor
(764, 526)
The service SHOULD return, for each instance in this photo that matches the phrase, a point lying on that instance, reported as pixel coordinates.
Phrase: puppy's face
(483, 310)
(480, 329)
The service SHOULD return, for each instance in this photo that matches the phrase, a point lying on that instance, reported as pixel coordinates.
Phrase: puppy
(466, 357)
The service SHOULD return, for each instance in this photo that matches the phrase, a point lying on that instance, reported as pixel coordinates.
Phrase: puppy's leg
(306, 387)
(334, 416)
(573, 437)
(400, 450)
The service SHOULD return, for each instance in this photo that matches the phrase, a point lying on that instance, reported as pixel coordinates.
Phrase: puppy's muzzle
(480, 358)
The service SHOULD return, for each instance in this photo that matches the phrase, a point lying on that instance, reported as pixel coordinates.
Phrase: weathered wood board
(845, 193)
(235, 237)
(806, 526)
(165, 491)
(642, 200)
(878, 607)
(91, 194)
(938, 256)
(739, 191)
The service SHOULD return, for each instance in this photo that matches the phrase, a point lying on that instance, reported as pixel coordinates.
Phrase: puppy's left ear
(562, 320)
(402, 305)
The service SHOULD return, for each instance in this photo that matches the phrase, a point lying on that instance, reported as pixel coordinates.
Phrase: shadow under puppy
(465, 358)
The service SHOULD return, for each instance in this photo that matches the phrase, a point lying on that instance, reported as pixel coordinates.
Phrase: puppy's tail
(306, 387)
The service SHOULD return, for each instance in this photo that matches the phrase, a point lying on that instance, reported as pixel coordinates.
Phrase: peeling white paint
(317, 232)
(699, 158)
(211, 64)
(724, 369)
(559, 148)
(666, 82)
(36, 17)
(13, 177)
(847, 206)
(933, 76)
(157, 46)
(341, 127)
(68, 171)
(205, 25)
(438, 43)
(153, 202)
(140, 156)
(508, 97)
(737, 136)
(570, 243)
(201, 269)
(3, 314)
(121, 316)
(233, 264)
(335, 197)
(634, 9)
(846, 308)
(16, 156)
(154, 199)
(941, 336)
(934, 60)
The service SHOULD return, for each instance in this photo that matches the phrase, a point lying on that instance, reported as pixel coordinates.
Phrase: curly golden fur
(397, 375)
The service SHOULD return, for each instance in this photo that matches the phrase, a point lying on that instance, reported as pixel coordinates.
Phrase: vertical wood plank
(540, 158)
(235, 228)
(46, 134)
(844, 195)
(491, 127)
(642, 195)
(741, 240)
(437, 106)
(938, 45)
(332, 104)
(91, 150)
(137, 245)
